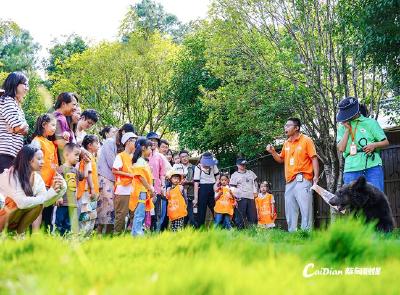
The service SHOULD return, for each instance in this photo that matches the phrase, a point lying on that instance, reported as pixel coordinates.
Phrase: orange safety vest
(177, 207)
(9, 207)
(82, 187)
(50, 159)
(138, 187)
(224, 205)
(127, 168)
(264, 209)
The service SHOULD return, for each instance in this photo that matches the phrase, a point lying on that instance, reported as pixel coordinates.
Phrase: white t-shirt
(10, 186)
(204, 176)
(121, 189)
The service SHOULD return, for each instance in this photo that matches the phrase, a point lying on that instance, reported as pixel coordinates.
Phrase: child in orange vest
(43, 138)
(88, 188)
(143, 194)
(265, 204)
(224, 203)
(66, 217)
(177, 200)
(122, 169)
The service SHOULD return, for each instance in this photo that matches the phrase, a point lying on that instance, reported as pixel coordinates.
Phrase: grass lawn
(203, 262)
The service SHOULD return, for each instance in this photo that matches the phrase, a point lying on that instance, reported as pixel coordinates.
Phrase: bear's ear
(359, 184)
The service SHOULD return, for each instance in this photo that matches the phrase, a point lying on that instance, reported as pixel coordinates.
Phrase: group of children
(225, 203)
(76, 210)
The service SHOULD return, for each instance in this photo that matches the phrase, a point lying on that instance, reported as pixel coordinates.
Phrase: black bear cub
(360, 196)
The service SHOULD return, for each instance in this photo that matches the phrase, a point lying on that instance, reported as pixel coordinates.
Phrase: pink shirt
(158, 170)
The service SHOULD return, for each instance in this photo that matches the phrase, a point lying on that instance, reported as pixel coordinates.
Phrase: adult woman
(13, 126)
(206, 174)
(105, 205)
(25, 191)
(65, 106)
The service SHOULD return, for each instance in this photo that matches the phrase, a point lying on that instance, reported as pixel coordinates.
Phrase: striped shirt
(11, 116)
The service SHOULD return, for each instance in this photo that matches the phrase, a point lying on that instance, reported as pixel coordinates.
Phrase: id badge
(299, 177)
(353, 149)
(291, 161)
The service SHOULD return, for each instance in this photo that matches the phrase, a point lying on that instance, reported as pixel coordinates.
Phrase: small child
(176, 158)
(143, 194)
(177, 200)
(122, 169)
(88, 188)
(43, 137)
(224, 203)
(66, 219)
(265, 204)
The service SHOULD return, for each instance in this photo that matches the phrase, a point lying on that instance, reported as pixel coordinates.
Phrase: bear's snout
(334, 201)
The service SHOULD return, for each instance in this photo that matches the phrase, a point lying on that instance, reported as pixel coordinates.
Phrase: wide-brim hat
(348, 108)
(207, 159)
(173, 172)
(128, 136)
(241, 161)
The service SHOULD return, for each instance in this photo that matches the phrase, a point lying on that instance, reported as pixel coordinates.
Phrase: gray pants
(298, 195)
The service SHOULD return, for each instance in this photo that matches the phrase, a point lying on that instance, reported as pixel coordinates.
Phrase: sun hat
(173, 172)
(128, 136)
(348, 108)
(207, 159)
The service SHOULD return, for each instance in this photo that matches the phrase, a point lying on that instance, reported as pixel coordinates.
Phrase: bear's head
(353, 195)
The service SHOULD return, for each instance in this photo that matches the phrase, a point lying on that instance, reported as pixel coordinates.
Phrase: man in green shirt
(360, 139)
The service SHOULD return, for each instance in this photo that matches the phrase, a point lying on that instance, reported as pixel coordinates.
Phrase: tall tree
(149, 16)
(61, 51)
(125, 82)
(17, 48)
(303, 44)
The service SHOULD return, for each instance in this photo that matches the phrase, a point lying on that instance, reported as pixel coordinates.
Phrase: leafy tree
(281, 58)
(125, 82)
(375, 28)
(149, 17)
(17, 49)
(61, 51)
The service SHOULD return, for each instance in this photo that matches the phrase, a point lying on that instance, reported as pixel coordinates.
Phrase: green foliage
(36, 102)
(204, 262)
(125, 82)
(375, 29)
(61, 51)
(149, 17)
(17, 49)
(190, 75)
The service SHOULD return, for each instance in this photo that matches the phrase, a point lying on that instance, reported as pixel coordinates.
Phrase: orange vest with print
(82, 185)
(264, 209)
(9, 206)
(297, 156)
(224, 205)
(176, 203)
(126, 167)
(138, 187)
(50, 159)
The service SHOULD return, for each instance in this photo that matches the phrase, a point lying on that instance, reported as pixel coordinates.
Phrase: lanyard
(353, 134)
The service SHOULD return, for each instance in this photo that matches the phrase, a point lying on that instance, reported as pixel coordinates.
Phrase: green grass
(202, 262)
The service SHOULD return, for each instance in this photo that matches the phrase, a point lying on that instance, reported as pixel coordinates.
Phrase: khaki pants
(121, 207)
